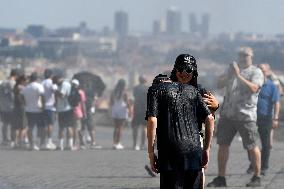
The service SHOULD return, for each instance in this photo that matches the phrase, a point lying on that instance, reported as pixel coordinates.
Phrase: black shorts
(180, 179)
(20, 120)
(66, 119)
(7, 117)
(35, 119)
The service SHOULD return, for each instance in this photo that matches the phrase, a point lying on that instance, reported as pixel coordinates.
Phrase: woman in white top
(119, 104)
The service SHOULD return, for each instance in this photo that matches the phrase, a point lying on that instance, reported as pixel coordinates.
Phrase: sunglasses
(188, 70)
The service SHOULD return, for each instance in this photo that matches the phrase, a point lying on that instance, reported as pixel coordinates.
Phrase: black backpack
(74, 97)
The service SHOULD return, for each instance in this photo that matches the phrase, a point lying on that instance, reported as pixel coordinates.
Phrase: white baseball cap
(75, 82)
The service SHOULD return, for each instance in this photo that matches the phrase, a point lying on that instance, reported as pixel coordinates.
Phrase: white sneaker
(137, 148)
(118, 146)
(50, 146)
(12, 144)
(88, 139)
(34, 148)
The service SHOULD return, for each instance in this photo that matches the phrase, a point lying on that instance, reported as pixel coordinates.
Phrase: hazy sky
(261, 16)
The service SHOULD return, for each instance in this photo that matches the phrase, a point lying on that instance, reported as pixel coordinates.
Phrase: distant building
(121, 23)
(83, 28)
(201, 29)
(7, 31)
(173, 21)
(36, 30)
(204, 28)
(193, 27)
(159, 27)
(65, 47)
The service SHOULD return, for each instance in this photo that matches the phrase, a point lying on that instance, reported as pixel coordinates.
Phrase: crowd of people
(174, 108)
(29, 104)
(26, 103)
(251, 108)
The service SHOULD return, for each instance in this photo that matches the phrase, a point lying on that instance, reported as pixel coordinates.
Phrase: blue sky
(261, 16)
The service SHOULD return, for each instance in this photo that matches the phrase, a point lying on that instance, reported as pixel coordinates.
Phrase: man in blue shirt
(268, 107)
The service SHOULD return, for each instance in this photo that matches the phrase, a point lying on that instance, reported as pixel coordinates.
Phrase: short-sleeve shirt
(7, 95)
(267, 97)
(178, 108)
(78, 110)
(33, 93)
(62, 104)
(49, 89)
(240, 103)
(140, 99)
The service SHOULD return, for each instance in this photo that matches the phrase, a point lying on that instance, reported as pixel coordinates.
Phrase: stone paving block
(107, 168)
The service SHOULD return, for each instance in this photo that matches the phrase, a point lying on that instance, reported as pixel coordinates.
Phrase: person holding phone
(238, 113)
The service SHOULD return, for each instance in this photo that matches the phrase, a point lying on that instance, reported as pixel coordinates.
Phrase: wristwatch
(215, 109)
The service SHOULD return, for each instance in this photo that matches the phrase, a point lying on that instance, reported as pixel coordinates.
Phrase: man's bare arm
(275, 122)
(209, 129)
(252, 86)
(151, 135)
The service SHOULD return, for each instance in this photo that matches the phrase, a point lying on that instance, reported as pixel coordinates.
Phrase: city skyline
(257, 16)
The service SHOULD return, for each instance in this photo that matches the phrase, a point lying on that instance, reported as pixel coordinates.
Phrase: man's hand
(153, 162)
(205, 158)
(211, 101)
(275, 124)
(236, 69)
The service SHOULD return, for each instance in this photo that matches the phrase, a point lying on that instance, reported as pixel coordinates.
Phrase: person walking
(268, 108)
(174, 110)
(140, 99)
(119, 103)
(272, 76)
(238, 113)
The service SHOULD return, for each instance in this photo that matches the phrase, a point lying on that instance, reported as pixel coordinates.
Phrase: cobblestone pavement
(107, 168)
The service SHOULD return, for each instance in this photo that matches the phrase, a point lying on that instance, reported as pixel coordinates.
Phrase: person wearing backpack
(7, 105)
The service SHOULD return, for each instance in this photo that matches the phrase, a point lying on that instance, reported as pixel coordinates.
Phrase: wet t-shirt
(178, 109)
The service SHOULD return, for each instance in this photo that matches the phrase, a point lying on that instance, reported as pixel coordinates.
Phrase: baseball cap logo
(187, 59)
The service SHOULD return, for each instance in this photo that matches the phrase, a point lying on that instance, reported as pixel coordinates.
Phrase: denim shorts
(49, 117)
